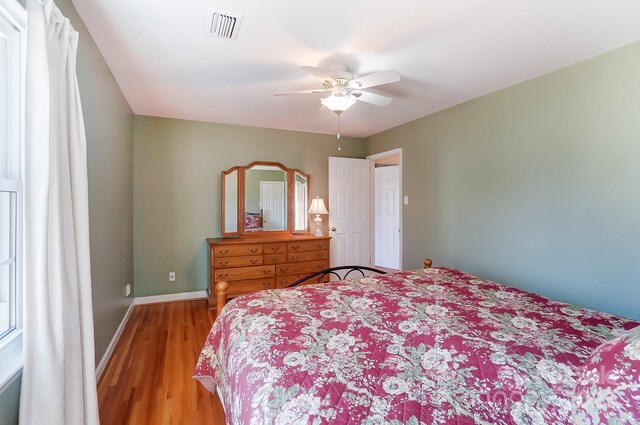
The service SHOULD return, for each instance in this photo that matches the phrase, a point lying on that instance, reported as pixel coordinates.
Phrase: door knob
(333, 229)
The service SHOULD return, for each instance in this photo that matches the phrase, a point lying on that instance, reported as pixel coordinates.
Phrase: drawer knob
(295, 247)
(320, 255)
(268, 271)
(284, 269)
(224, 263)
(254, 260)
(254, 250)
(265, 284)
(223, 275)
(295, 258)
(320, 245)
(223, 251)
(275, 248)
(275, 259)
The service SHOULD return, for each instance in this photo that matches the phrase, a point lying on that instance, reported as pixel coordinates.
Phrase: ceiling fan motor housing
(339, 91)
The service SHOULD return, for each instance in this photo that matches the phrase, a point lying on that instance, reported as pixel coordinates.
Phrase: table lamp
(317, 207)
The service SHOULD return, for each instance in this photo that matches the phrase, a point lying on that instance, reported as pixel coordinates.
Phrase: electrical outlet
(172, 276)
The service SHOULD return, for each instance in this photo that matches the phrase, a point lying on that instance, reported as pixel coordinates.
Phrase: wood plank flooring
(148, 379)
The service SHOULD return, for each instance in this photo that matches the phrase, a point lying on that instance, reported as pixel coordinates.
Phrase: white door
(349, 211)
(272, 205)
(387, 217)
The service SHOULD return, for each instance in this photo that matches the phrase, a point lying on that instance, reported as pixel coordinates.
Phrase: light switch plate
(406, 200)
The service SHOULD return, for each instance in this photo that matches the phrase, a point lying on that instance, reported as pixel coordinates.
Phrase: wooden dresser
(250, 264)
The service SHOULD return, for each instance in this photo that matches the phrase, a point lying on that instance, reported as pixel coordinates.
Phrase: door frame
(373, 158)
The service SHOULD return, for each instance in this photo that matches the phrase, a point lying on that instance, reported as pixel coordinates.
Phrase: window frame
(15, 186)
(13, 13)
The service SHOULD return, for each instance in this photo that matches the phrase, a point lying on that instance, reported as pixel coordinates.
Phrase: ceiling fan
(346, 89)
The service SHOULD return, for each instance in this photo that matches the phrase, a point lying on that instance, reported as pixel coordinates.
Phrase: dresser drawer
(296, 257)
(283, 281)
(244, 286)
(225, 262)
(237, 250)
(275, 248)
(242, 273)
(307, 246)
(301, 268)
(275, 258)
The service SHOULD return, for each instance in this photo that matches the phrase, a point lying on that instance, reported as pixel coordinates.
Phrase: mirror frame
(223, 197)
(290, 172)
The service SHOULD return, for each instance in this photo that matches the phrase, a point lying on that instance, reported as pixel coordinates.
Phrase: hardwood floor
(148, 379)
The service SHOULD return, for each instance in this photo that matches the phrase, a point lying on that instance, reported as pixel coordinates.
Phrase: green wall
(537, 185)
(177, 166)
(10, 401)
(109, 128)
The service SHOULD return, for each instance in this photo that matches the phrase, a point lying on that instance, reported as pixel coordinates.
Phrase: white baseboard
(112, 345)
(183, 296)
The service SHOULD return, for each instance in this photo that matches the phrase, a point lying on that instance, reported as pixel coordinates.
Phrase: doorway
(386, 222)
(352, 205)
(272, 205)
(349, 207)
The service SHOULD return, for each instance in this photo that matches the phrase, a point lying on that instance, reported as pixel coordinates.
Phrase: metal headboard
(341, 272)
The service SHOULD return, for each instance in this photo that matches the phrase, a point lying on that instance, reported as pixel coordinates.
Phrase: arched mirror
(264, 197)
(300, 201)
(230, 195)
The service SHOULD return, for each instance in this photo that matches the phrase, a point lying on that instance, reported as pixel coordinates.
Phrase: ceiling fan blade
(319, 73)
(286, 93)
(375, 79)
(372, 98)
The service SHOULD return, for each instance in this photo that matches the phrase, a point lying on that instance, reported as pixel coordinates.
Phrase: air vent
(224, 25)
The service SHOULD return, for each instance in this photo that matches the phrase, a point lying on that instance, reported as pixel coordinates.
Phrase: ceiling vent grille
(224, 25)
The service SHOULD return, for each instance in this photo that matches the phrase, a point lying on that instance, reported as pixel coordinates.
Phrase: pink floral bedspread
(431, 346)
(252, 222)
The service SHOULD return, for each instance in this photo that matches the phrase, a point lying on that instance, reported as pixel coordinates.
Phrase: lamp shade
(317, 206)
(338, 103)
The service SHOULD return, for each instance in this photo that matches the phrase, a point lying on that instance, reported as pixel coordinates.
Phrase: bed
(430, 346)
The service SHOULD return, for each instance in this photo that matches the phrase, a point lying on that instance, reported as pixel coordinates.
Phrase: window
(12, 49)
(9, 256)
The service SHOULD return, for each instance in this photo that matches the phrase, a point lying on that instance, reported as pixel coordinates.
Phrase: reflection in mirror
(300, 188)
(265, 202)
(230, 182)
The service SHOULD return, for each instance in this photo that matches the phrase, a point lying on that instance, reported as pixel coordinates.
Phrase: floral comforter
(431, 346)
(252, 222)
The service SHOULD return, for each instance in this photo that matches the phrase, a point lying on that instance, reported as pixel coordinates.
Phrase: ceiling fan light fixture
(338, 102)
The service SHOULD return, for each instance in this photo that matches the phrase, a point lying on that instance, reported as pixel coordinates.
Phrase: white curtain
(59, 381)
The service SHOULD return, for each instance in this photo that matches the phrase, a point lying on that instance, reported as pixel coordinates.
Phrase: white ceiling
(447, 52)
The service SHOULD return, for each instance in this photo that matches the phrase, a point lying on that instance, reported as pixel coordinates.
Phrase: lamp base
(318, 222)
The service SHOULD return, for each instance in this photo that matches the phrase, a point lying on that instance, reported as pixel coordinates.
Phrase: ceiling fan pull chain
(339, 145)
